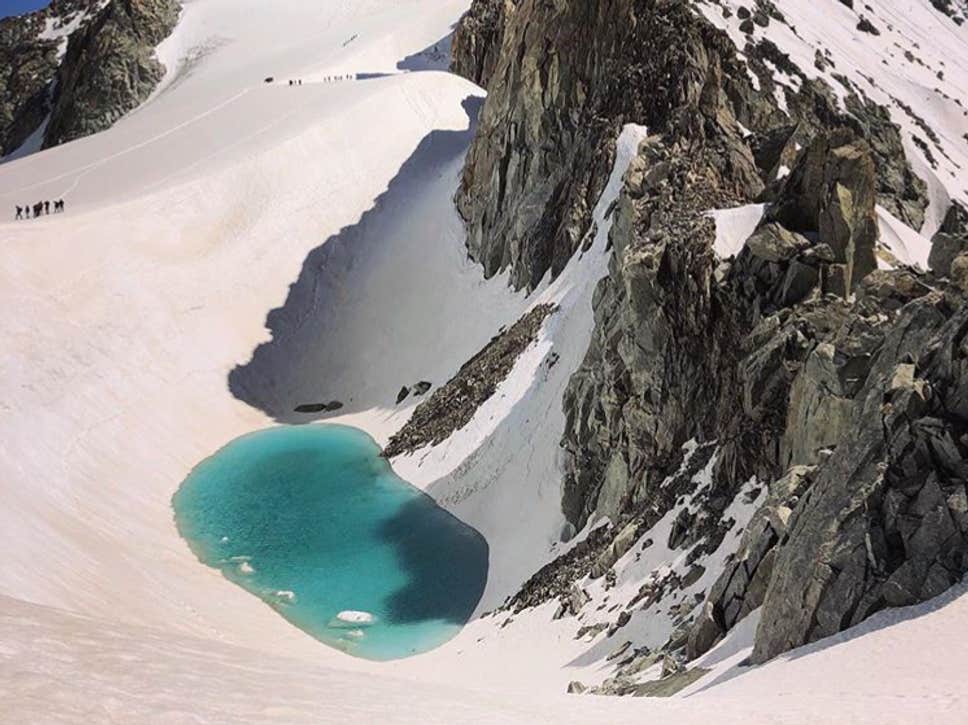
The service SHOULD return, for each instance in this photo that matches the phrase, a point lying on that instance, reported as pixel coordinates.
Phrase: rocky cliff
(835, 384)
(75, 67)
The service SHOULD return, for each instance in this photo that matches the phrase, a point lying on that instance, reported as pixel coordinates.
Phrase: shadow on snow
(292, 369)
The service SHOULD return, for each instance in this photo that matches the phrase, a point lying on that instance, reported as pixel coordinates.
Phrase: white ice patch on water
(355, 618)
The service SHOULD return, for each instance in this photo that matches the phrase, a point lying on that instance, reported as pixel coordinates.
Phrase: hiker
(59, 206)
(20, 212)
(46, 207)
(38, 208)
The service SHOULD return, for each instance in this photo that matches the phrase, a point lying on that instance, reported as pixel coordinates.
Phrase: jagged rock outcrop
(950, 240)
(569, 75)
(79, 65)
(831, 194)
(110, 67)
(27, 64)
(786, 359)
(29, 58)
(885, 522)
(742, 586)
(478, 39)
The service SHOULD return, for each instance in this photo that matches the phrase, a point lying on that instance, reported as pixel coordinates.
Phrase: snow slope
(223, 198)
(186, 223)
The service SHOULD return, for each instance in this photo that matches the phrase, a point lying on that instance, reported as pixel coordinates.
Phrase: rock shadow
(297, 367)
(446, 570)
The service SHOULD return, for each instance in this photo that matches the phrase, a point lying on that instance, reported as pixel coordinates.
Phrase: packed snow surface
(124, 317)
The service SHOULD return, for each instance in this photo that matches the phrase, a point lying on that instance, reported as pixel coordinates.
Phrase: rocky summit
(77, 66)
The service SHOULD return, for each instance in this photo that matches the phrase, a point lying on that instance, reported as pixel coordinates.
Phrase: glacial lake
(315, 523)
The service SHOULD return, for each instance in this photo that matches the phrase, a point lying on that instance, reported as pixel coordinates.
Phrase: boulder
(831, 194)
(773, 243)
(959, 271)
(820, 409)
(950, 240)
(616, 550)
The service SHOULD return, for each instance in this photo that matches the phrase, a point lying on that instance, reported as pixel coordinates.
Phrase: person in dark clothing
(58, 205)
(38, 208)
(46, 207)
(20, 212)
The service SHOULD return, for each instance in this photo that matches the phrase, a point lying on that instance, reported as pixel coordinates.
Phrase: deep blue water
(312, 520)
(19, 7)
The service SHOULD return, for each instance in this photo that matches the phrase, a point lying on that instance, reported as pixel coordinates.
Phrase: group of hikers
(40, 208)
(327, 79)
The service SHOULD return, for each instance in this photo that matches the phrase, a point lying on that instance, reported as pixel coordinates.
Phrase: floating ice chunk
(351, 618)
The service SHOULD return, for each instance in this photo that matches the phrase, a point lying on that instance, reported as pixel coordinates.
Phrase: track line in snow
(83, 170)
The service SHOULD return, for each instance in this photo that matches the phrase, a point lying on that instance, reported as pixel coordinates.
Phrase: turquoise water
(313, 521)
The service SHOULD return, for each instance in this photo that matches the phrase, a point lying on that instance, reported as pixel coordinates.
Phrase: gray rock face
(28, 66)
(797, 360)
(831, 194)
(568, 75)
(85, 83)
(950, 240)
(478, 39)
(883, 525)
(110, 67)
